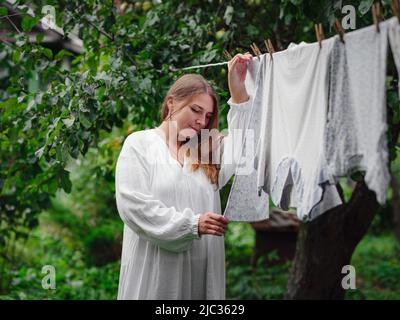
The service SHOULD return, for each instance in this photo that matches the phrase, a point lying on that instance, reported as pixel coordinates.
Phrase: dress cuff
(243, 106)
(194, 225)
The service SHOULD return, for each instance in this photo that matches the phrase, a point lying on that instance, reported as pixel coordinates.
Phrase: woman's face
(193, 115)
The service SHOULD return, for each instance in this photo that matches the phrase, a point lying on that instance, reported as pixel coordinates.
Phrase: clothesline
(200, 66)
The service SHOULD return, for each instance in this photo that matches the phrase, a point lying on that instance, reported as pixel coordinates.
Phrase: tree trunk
(326, 244)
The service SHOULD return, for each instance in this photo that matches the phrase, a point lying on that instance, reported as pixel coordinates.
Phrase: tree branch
(111, 37)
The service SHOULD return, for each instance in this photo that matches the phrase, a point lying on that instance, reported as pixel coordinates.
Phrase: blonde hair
(184, 89)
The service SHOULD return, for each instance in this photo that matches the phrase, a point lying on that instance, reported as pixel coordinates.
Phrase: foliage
(242, 280)
(376, 261)
(74, 278)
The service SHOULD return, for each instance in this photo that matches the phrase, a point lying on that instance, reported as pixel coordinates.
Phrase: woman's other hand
(212, 223)
(237, 68)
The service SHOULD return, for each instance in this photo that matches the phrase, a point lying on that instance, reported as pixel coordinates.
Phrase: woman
(170, 205)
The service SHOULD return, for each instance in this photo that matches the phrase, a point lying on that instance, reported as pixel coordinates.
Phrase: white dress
(160, 202)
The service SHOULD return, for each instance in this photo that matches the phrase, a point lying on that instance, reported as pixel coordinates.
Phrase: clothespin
(270, 47)
(319, 32)
(339, 30)
(227, 55)
(396, 9)
(376, 15)
(256, 51)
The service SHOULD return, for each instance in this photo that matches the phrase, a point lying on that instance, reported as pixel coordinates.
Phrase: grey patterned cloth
(355, 136)
(244, 202)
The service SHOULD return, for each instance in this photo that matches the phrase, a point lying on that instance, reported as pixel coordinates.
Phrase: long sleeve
(232, 144)
(147, 216)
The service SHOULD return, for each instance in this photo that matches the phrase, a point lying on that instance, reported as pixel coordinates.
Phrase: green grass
(74, 278)
(242, 280)
(377, 264)
(376, 260)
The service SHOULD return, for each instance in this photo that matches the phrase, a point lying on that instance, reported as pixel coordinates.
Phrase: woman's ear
(170, 105)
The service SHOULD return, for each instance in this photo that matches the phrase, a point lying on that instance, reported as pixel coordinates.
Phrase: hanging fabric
(292, 166)
(355, 138)
(244, 204)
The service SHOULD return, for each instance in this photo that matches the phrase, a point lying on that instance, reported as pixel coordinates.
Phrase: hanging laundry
(292, 166)
(244, 204)
(394, 39)
(355, 137)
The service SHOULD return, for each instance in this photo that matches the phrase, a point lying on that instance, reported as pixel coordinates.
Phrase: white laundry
(244, 203)
(160, 203)
(356, 129)
(291, 163)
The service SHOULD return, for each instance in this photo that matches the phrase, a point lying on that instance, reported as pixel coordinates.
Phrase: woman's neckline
(158, 132)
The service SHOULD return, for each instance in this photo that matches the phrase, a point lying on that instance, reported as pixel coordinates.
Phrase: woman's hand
(212, 223)
(237, 68)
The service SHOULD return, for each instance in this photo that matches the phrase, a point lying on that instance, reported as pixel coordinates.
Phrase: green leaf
(39, 37)
(84, 120)
(33, 222)
(62, 53)
(16, 56)
(364, 6)
(69, 122)
(151, 19)
(28, 23)
(7, 186)
(52, 152)
(252, 31)
(39, 152)
(3, 11)
(75, 152)
(47, 52)
(65, 181)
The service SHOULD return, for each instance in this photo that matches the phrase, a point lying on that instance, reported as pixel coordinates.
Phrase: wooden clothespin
(396, 8)
(227, 55)
(256, 51)
(270, 47)
(319, 32)
(253, 49)
(376, 15)
(339, 30)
